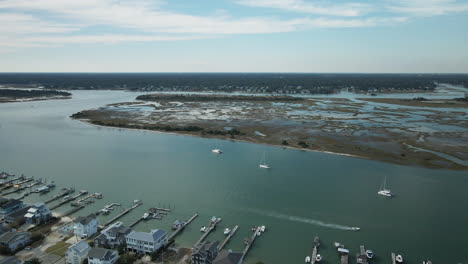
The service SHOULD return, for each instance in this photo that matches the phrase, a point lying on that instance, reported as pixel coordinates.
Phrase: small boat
(318, 258)
(337, 244)
(105, 211)
(383, 189)
(227, 231)
(217, 151)
(259, 233)
(307, 259)
(369, 254)
(214, 219)
(136, 201)
(355, 228)
(146, 215)
(262, 229)
(399, 258)
(203, 229)
(253, 229)
(263, 164)
(247, 241)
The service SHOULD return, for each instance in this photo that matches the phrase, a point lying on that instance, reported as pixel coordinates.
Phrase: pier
(233, 231)
(315, 250)
(344, 255)
(361, 258)
(182, 228)
(211, 227)
(68, 200)
(60, 195)
(393, 258)
(19, 189)
(124, 212)
(8, 184)
(250, 243)
(73, 210)
(107, 209)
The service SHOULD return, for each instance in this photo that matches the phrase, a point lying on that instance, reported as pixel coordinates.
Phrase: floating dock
(249, 244)
(233, 231)
(124, 212)
(60, 195)
(212, 226)
(175, 233)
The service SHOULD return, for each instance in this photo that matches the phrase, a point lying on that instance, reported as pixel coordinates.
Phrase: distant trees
(23, 93)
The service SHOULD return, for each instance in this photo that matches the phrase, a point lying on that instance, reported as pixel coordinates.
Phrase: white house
(143, 242)
(102, 256)
(38, 213)
(85, 226)
(77, 252)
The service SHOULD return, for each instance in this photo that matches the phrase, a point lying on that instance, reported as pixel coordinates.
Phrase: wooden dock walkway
(60, 195)
(9, 184)
(344, 259)
(361, 257)
(249, 245)
(72, 210)
(233, 231)
(393, 258)
(68, 200)
(211, 227)
(124, 212)
(19, 189)
(175, 233)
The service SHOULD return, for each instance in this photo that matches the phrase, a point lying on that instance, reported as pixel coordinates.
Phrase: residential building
(85, 226)
(143, 242)
(16, 216)
(113, 236)
(228, 257)
(102, 256)
(11, 260)
(15, 240)
(205, 252)
(38, 213)
(8, 206)
(77, 252)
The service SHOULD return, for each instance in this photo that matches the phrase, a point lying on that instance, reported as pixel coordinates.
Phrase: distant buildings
(113, 236)
(77, 252)
(205, 252)
(85, 226)
(14, 240)
(143, 242)
(37, 214)
(8, 206)
(16, 216)
(102, 256)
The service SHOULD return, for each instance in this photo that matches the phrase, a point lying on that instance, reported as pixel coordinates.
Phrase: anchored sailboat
(217, 150)
(383, 189)
(263, 163)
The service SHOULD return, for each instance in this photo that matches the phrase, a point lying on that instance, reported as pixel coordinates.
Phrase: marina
(68, 199)
(207, 230)
(65, 192)
(136, 203)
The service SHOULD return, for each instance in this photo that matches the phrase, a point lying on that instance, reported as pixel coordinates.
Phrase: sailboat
(217, 150)
(383, 189)
(263, 164)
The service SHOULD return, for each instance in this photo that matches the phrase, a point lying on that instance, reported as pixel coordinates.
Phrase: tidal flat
(432, 137)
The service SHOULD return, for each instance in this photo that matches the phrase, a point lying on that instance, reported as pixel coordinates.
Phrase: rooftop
(148, 237)
(81, 246)
(102, 253)
(84, 220)
(228, 257)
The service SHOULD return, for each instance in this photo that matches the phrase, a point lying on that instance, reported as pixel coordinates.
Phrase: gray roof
(204, 246)
(228, 257)
(4, 229)
(10, 260)
(6, 238)
(80, 247)
(85, 220)
(6, 203)
(101, 253)
(148, 237)
(39, 205)
(17, 214)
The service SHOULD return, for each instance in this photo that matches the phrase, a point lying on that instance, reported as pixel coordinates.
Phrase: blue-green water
(303, 195)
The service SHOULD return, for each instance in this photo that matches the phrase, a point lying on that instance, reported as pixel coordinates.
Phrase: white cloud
(427, 7)
(311, 7)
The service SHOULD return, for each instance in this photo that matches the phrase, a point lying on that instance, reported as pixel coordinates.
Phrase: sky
(377, 36)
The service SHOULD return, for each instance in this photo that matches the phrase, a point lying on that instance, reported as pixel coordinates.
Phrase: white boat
(383, 189)
(318, 258)
(399, 258)
(217, 150)
(369, 254)
(146, 215)
(263, 164)
(307, 259)
(337, 244)
(355, 228)
(262, 229)
(227, 231)
(203, 229)
(214, 219)
(259, 233)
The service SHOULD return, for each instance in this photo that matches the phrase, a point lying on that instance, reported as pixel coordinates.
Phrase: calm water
(303, 195)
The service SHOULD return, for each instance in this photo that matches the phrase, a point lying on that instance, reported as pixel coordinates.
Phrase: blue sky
(423, 36)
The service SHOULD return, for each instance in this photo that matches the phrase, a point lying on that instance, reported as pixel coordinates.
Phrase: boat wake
(304, 220)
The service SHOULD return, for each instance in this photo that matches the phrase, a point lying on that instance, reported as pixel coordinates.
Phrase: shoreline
(237, 140)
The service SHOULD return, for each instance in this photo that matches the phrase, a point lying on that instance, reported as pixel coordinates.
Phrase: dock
(107, 209)
(315, 250)
(72, 210)
(68, 200)
(233, 231)
(64, 192)
(8, 184)
(250, 243)
(344, 254)
(175, 233)
(393, 258)
(19, 189)
(211, 227)
(361, 257)
(124, 212)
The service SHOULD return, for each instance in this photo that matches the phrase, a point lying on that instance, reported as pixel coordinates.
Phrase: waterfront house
(37, 214)
(143, 242)
(102, 256)
(228, 257)
(85, 227)
(8, 206)
(16, 216)
(15, 240)
(11, 260)
(113, 236)
(205, 252)
(77, 252)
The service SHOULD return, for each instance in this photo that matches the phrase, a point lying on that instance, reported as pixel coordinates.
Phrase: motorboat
(307, 259)
(263, 164)
(203, 229)
(227, 231)
(262, 229)
(146, 215)
(399, 258)
(318, 258)
(216, 151)
(337, 244)
(383, 189)
(369, 254)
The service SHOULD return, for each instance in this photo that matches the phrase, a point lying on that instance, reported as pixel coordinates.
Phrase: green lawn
(58, 249)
